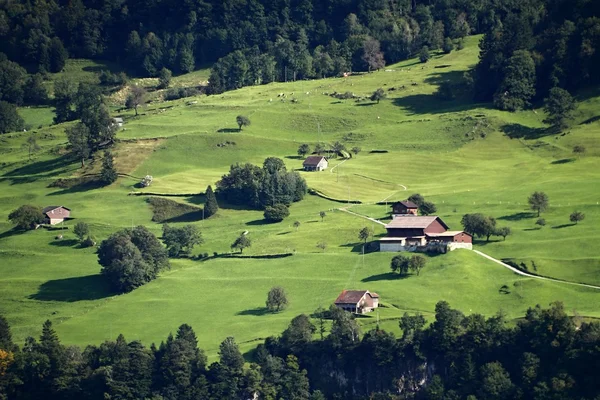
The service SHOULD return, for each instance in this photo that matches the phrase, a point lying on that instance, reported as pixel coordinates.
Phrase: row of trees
(545, 355)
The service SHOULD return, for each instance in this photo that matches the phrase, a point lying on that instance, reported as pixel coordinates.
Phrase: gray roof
(313, 160)
(415, 222)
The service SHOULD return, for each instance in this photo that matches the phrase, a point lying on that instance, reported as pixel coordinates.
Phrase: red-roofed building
(357, 301)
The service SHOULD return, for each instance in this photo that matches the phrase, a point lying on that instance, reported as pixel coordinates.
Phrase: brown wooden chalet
(55, 214)
(357, 301)
(405, 207)
(315, 163)
(413, 233)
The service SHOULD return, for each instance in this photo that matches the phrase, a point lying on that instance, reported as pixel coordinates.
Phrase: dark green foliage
(372, 55)
(181, 240)
(31, 144)
(322, 214)
(538, 201)
(276, 213)
(258, 187)
(58, 55)
(417, 263)
(108, 173)
(427, 208)
(112, 79)
(26, 217)
(416, 198)
(81, 230)
(165, 210)
(479, 225)
(424, 54)
(303, 150)
(131, 258)
(10, 120)
(35, 91)
(545, 354)
(518, 85)
(578, 149)
(400, 264)
(180, 93)
(448, 46)
(64, 97)
(541, 222)
(210, 205)
(559, 106)
(242, 242)
(78, 136)
(242, 120)
(164, 78)
(576, 216)
(355, 150)
(277, 299)
(503, 231)
(378, 95)
(13, 79)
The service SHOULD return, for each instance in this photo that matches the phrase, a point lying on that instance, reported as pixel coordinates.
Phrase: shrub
(180, 93)
(89, 241)
(277, 213)
(276, 299)
(26, 217)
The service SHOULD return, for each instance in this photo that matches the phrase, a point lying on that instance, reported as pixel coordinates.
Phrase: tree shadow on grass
(187, 217)
(65, 242)
(284, 233)
(562, 226)
(518, 131)
(11, 232)
(388, 276)
(366, 104)
(258, 222)
(294, 157)
(563, 161)
(517, 216)
(91, 287)
(82, 187)
(42, 168)
(228, 130)
(257, 312)
(590, 120)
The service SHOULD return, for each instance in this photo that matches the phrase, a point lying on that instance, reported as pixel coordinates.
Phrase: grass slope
(465, 157)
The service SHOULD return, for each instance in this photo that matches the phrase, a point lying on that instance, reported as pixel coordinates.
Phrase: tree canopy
(26, 217)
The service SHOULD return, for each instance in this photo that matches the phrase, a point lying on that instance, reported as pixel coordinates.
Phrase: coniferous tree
(108, 174)
(210, 205)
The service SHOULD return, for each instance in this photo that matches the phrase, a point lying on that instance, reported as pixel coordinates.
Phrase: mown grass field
(434, 147)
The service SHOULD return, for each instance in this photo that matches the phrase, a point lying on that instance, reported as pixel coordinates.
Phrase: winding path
(522, 273)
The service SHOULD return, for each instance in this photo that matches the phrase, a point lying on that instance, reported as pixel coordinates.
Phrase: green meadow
(463, 156)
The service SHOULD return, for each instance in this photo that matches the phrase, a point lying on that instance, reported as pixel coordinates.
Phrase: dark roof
(50, 208)
(407, 204)
(313, 160)
(353, 296)
(415, 222)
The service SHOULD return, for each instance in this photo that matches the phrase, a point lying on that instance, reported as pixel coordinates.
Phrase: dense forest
(529, 46)
(547, 355)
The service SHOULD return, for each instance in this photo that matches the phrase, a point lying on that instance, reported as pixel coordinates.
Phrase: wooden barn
(357, 301)
(425, 233)
(405, 207)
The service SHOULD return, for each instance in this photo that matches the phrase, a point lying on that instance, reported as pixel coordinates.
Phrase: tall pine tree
(108, 174)
(210, 206)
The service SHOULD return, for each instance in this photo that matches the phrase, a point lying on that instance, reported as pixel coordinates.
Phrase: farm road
(519, 272)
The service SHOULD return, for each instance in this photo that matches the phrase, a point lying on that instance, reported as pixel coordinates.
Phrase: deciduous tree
(378, 95)
(242, 242)
(364, 234)
(10, 120)
(135, 97)
(277, 299)
(417, 263)
(576, 216)
(81, 230)
(400, 264)
(538, 201)
(26, 217)
(242, 120)
(303, 149)
(559, 107)
(277, 213)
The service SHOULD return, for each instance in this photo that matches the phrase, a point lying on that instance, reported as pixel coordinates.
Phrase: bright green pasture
(458, 154)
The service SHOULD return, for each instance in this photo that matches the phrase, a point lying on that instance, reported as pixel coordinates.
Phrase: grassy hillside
(465, 157)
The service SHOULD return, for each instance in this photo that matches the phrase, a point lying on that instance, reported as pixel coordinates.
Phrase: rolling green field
(464, 157)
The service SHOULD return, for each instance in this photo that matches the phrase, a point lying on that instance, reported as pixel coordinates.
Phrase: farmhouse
(55, 214)
(405, 207)
(357, 301)
(408, 232)
(315, 163)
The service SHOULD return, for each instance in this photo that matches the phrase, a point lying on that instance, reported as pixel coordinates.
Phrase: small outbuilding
(55, 214)
(315, 163)
(357, 301)
(405, 207)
